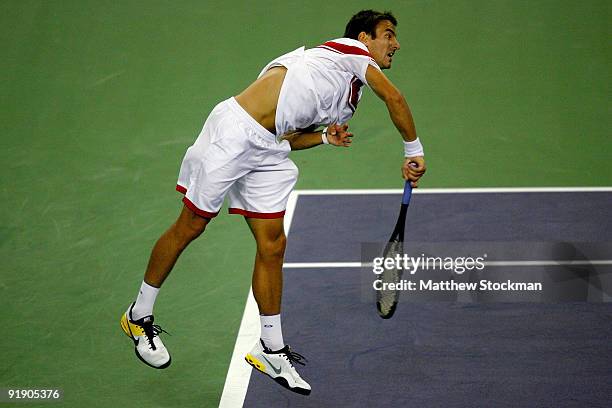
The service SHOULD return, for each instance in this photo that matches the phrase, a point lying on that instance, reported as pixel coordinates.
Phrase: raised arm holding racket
(414, 164)
(412, 170)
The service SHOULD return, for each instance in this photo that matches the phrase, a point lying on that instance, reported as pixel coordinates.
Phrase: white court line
(548, 263)
(316, 265)
(239, 373)
(296, 265)
(461, 190)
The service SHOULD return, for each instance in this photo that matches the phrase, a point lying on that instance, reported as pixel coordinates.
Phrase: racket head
(386, 299)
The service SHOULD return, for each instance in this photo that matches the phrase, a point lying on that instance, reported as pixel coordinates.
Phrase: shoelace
(292, 356)
(151, 331)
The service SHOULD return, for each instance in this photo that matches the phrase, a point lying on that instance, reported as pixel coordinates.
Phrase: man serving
(242, 152)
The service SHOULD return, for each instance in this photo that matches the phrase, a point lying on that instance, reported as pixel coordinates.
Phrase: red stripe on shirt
(346, 49)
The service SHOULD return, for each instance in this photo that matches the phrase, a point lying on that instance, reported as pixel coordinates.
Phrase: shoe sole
(161, 367)
(255, 363)
(252, 361)
(284, 383)
(126, 329)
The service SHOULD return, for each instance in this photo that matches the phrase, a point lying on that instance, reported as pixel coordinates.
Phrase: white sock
(271, 332)
(144, 301)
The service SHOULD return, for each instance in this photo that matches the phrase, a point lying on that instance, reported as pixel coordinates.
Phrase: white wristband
(414, 148)
(324, 136)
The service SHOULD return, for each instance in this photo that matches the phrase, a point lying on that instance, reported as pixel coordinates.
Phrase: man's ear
(363, 37)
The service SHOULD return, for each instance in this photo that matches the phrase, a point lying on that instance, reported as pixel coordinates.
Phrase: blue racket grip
(407, 193)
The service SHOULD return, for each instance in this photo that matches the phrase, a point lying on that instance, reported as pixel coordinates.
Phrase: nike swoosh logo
(276, 370)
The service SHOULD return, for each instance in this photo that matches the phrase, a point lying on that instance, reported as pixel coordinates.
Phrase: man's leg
(271, 356)
(137, 322)
(267, 274)
(166, 251)
(169, 246)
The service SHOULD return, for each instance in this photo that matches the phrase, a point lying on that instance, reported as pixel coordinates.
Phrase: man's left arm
(337, 135)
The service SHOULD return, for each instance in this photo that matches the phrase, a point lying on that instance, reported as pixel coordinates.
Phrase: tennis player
(242, 152)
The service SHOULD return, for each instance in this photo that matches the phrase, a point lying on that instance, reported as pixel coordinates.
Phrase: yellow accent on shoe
(255, 363)
(130, 328)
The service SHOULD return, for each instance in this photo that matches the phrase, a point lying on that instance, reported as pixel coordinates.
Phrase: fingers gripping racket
(386, 300)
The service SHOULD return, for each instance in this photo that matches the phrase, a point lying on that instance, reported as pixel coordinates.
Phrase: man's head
(377, 31)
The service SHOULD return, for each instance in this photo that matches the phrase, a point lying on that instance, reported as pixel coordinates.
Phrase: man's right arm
(400, 115)
(395, 101)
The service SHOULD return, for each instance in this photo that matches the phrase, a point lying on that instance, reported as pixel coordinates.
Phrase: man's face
(384, 45)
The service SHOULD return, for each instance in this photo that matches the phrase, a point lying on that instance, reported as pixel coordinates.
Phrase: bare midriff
(259, 100)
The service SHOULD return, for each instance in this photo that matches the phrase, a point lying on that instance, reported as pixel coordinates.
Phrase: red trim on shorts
(253, 214)
(345, 49)
(192, 206)
(196, 210)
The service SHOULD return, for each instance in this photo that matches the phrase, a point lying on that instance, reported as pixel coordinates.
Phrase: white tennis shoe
(279, 366)
(147, 344)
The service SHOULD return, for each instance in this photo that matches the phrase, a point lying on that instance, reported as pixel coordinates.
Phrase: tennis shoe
(147, 344)
(279, 366)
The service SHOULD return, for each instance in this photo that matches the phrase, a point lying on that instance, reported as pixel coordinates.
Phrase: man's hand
(413, 169)
(337, 135)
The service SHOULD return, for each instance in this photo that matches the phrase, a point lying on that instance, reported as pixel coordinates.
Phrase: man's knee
(272, 247)
(189, 226)
(188, 232)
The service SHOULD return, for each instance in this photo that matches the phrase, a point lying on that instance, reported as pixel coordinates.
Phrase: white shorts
(235, 155)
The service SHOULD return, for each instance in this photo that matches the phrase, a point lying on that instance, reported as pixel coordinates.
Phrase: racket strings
(387, 298)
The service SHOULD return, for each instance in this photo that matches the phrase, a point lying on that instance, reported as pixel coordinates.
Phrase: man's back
(260, 98)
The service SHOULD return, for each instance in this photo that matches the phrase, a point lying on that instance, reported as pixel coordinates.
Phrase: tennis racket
(386, 300)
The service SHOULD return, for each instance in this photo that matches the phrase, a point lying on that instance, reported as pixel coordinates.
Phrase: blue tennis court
(479, 350)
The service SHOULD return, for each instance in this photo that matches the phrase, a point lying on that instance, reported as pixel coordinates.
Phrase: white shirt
(322, 85)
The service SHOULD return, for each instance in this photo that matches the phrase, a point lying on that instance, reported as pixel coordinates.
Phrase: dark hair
(367, 20)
